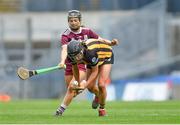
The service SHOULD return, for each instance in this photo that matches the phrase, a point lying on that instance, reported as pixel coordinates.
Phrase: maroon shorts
(69, 71)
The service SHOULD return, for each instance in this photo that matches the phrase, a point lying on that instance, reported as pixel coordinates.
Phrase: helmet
(74, 13)
(74, 48)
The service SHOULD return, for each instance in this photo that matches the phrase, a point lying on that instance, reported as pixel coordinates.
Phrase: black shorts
(106, 61)
(109, 60)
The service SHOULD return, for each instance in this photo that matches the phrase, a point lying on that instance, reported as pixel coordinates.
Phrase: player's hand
(114, 42)
(78, 86)
(61, 64)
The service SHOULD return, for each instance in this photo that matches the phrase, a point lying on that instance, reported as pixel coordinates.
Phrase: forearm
(92, 77)
(75, 70)
(63, 54)
(85, 84)
(110, 43)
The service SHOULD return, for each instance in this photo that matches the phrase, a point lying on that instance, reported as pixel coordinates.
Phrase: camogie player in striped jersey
(98, 56)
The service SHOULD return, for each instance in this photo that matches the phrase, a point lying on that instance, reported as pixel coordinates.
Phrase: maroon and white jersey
(67, 36)
(83, 34)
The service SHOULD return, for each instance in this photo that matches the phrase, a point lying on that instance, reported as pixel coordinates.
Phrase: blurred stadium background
(147, 61)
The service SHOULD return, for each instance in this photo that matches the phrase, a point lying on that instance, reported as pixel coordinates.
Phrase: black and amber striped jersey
(98, 53)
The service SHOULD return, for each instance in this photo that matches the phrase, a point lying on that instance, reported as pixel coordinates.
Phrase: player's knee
(75, 94)
(70, 88)
(101, 86)
(72, 92)
(101, 82)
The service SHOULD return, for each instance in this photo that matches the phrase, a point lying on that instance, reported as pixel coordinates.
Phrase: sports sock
(62, 108)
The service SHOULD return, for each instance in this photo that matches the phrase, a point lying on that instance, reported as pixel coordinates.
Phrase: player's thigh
(104, 73)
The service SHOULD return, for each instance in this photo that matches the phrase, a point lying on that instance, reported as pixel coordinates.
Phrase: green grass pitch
(80, 112)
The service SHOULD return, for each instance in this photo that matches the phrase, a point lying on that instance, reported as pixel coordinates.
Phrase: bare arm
(63, 55)
(92, 77)
(111, 43)
(75, 70)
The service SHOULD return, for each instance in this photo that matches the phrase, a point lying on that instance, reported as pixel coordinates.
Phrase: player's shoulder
(91, 53)
(91, 56)
(66, 32)
(86, 29)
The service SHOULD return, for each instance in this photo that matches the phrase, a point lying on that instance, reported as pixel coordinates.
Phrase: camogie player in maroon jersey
(75, 32)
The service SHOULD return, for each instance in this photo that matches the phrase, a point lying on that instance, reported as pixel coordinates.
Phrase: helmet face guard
(74, 14)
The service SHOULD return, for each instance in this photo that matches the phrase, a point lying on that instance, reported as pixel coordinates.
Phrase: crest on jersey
(94, 60)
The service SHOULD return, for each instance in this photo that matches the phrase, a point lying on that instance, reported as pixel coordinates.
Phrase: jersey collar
(80, 30)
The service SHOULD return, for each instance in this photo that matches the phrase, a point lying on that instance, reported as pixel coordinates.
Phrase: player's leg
(67, 97)
(70, 94)
(93, 89)
(68, 78)
(104, 72)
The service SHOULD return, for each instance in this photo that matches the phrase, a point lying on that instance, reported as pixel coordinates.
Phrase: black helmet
(74, 13)
(74, 48)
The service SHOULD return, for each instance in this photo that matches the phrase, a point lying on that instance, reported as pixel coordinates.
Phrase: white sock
(64, 106)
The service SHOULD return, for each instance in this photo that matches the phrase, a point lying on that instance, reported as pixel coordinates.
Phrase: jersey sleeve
(92, 58)
(93, 34)
(64, 40)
